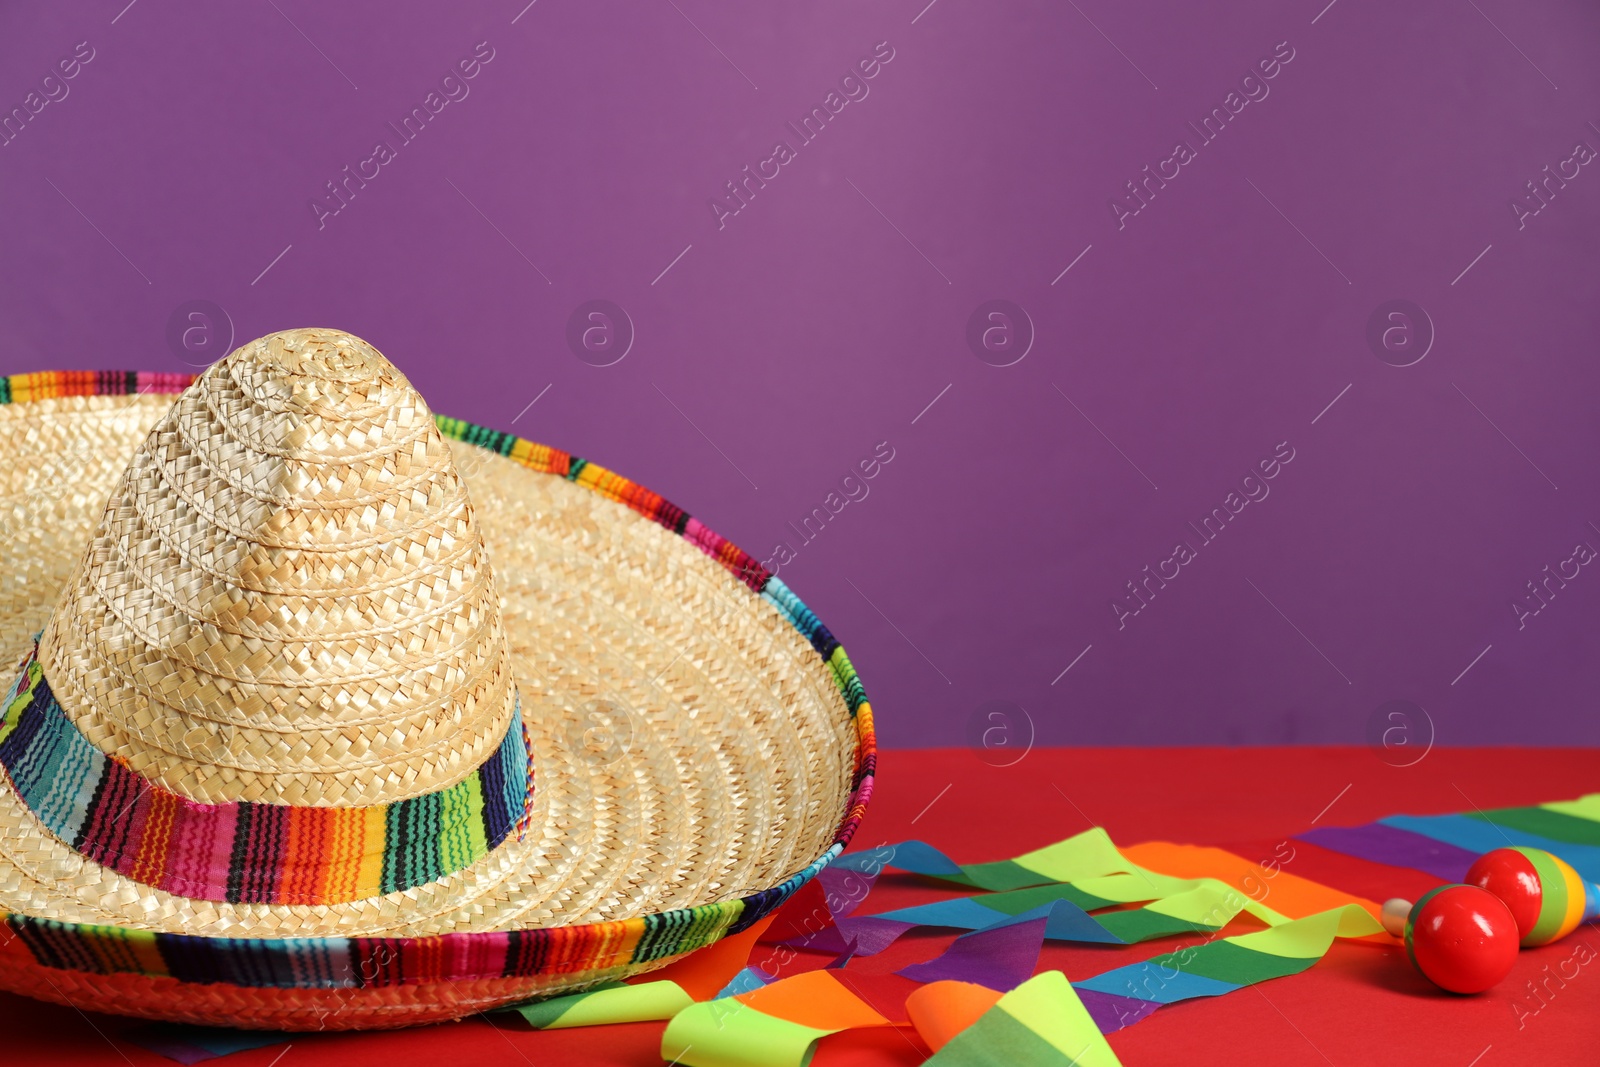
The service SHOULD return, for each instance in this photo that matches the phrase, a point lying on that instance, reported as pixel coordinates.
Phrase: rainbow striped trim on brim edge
(243, 852)
(369, 962)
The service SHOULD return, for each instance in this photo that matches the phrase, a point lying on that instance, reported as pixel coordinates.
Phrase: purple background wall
(1172, 349)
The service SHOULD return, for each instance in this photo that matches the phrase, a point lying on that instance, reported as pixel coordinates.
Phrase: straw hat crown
(286, 599)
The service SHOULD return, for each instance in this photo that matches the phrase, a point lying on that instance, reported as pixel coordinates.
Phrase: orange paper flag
(1279, 890)
(941, 1010)
(704, 972)
(815, 999)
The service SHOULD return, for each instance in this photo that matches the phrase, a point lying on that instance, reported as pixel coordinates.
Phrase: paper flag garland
(941, 1010)
(1063, 906)
(1289, 894)
(1478, 835)
(1445, 845)
(756, 1022)
(610, 1003)
(836, 891)
(1222, 966)
(1179, 906)
(1585, 808)
(1087, 855)
(775, 1026)
(704, 973)
(1001, 957)
(1398, 848)
(746, 981)
(1040, 1023)
(1549, 822)
(980, 1006)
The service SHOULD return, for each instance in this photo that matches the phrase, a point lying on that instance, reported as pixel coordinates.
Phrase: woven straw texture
(287, 599)
(369, 595)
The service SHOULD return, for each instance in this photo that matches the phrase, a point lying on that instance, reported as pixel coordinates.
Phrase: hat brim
(702, 748)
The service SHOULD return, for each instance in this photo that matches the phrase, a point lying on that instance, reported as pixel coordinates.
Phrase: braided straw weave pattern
(287, 599)
(697, 736)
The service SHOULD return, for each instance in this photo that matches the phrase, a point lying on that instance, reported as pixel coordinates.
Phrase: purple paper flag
(864, 936)
(1111, 1012)
(1001, 957)
(844, 889)
(1395, 847)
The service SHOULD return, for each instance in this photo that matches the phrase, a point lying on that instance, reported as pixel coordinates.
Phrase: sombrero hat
(331, 713)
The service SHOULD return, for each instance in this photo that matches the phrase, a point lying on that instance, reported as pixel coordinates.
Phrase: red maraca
(1545, 895)
(1463, 938)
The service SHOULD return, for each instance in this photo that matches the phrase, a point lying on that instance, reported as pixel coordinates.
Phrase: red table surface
(1361, 1005)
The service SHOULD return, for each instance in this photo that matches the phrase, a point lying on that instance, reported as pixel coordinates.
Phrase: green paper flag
(1222, 966)
(611, 1003)
(1041, 1023)
(775, 1026)
(1086, 855)
(726, 1033)
(1585, 807)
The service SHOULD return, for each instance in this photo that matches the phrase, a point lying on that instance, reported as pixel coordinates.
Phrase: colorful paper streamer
(1041, 1023)
(1178, 905)
(1479, 835)
(979, 1005)
(1379, 843)
(1001, 957)
(941, 1010)
(778, 1025)
(1446, 845)
(611, 1003)
(1224, 965)
(1087, 855)
(966, 1012)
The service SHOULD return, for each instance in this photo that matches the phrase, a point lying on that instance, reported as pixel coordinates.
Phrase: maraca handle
(1393, 917)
